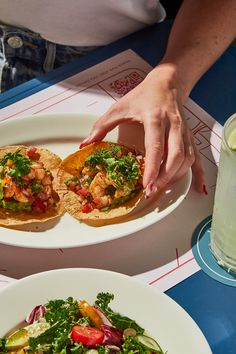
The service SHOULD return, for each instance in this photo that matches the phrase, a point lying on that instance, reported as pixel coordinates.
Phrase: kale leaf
(62, 316)
(121, 322)
(3, 345)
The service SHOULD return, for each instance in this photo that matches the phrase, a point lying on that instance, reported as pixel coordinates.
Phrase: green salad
(72, 326)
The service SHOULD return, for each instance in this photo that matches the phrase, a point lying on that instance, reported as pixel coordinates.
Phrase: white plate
(62, 133)
(158, 314)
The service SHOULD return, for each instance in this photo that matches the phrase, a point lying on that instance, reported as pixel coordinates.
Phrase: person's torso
(81, 22)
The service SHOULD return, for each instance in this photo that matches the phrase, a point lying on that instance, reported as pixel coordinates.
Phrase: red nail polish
(82, 145)
(205, 190)
(151, 188)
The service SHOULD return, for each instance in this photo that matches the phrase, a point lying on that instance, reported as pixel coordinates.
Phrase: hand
(170, 150)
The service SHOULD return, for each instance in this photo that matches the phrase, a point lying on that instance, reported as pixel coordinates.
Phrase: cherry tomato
(87, 310)
(88, 336)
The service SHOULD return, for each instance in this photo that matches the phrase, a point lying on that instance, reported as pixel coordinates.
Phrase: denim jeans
(25, 55)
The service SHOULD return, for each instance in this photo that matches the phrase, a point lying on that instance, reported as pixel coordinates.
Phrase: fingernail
(83, 144)
(204, 189)
(151, 188)
(86, 141)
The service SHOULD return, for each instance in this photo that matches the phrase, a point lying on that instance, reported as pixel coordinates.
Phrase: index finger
(154, 146)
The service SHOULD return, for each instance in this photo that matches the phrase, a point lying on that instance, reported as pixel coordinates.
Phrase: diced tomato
(86, 208)
(39, 206)
(88, 336)
(33, 153)
(142, 166)
(83, 192)
(119, 153)
(71, 185)
(42, 196)
(98, 201)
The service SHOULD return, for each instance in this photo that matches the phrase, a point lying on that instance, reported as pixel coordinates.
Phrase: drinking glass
(223, 229)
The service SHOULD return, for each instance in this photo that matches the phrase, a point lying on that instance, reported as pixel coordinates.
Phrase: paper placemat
(167, 244)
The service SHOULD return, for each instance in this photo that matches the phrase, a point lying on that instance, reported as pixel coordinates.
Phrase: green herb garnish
(36, 187)
(123, 170)
(21, 165)
(62, 316)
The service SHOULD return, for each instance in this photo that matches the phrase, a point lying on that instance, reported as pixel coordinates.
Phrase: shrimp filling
(110, 177)
(25, 184)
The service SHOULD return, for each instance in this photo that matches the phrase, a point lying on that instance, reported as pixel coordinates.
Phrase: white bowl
(158, 314)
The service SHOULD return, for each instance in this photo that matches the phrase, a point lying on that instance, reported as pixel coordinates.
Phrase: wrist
(169, 75)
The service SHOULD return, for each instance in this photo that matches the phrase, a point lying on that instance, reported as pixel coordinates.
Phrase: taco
(28, 186)
(101, 182)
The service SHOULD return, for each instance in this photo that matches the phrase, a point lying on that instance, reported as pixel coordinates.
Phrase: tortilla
(72, 166)
(51, 163)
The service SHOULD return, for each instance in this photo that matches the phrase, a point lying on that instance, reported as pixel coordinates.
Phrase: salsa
(25, 184)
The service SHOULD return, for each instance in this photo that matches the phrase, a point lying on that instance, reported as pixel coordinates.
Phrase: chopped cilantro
(20, 167)
(36, 187)
(123, 170)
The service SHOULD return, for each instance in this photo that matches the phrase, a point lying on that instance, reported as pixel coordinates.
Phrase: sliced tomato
(88, 336)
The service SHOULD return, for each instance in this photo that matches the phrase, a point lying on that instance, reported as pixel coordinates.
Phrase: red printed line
(170, 271)
(177, 256)
(36, 104)
(68, 89)
(54, 104)
(107, 92)
(92, 103)
(202, 121)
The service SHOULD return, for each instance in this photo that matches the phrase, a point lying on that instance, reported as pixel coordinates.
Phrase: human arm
(201, 32)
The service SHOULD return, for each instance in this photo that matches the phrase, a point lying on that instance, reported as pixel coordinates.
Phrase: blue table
(210, 303)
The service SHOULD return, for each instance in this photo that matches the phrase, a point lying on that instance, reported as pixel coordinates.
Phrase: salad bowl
(162, 318)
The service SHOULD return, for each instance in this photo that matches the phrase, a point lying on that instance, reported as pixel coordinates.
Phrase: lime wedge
(17, 340)
(232, 140)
